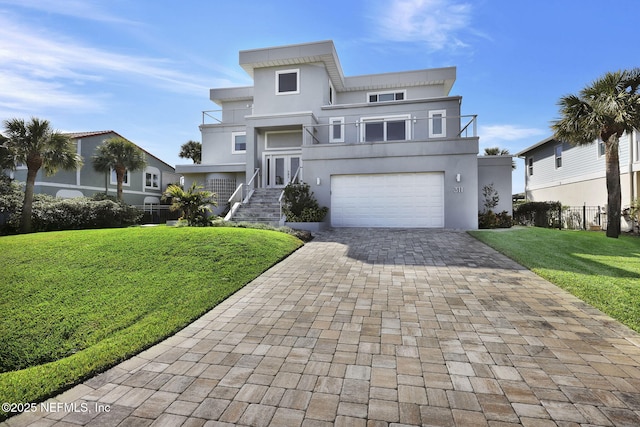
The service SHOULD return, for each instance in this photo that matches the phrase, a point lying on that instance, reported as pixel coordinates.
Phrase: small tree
(37, 145)
(491, 197)
(191, 150)
(299, 205)
(120, 155)
(195, 203)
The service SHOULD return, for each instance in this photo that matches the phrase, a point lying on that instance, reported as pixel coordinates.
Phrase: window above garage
(380, 129)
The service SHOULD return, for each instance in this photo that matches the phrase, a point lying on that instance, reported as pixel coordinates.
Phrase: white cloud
(40, 68)
(438, 23)
(84, 9)
(500, 133)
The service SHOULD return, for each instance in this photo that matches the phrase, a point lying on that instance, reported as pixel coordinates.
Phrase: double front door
(280, 169)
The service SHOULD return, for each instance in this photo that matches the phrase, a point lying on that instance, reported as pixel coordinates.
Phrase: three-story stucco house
(576, 175)
(380, 150)
(140, 188)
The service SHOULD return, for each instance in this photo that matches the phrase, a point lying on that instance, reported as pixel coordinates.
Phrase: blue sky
(144, 68)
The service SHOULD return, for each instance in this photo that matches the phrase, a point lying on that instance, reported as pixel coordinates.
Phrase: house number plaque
(458, 189)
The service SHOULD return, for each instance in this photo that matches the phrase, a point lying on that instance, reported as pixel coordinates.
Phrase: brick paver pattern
(379, 327)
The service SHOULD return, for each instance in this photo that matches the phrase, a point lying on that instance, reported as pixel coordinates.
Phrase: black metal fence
(583, 217)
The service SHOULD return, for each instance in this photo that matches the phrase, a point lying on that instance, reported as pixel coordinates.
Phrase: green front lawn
(76, 302)
(601, 271)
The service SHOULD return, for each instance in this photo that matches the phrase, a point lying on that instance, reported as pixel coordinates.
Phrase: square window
(239, 142)
(374, 131)
(287, 82)
(396, 130)
(114, 178)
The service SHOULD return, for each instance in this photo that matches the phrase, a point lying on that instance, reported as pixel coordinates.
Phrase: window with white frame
(437, 124)
(393, 128)
(336, 129)
(114, 178)
(386, 96)
(152, 178)
(239, 142)
(636, 145)
(601, 149)
(530, 166)
(287, 82)
(558, 156)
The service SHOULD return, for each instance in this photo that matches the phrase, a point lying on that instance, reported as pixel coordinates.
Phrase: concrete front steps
(263, 207)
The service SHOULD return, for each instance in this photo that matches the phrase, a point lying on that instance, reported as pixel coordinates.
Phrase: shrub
(539, 214)
(299, 205)
(50, 213)
(488, 218)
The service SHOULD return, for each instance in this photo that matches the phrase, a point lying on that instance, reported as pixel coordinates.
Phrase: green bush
(52, 214)
(539, 214)
(299, 205)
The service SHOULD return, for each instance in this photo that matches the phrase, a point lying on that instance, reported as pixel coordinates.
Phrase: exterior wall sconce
(458, 177)
(318, 181)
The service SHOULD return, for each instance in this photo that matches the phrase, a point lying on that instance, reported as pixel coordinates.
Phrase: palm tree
(495, 151)
(605, 109)
(120, 155)
(194, 203)
(191, 150)
(36, 145)
(6, 158)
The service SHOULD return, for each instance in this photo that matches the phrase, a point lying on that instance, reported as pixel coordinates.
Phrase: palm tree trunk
(27, 205)
(614, 196)
(120, 171)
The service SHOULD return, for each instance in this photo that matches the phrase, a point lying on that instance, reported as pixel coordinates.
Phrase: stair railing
(242, 194)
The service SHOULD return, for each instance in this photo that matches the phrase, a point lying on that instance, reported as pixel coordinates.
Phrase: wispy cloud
(41, 68)
(508, 132)
(438, 23)
(83, 9)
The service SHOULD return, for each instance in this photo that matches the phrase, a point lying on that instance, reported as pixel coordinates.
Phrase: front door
(281, 169)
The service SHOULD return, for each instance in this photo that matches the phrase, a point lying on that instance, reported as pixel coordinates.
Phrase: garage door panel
(388, 200)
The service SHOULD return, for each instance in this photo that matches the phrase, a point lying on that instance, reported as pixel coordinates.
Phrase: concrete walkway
(365, 327)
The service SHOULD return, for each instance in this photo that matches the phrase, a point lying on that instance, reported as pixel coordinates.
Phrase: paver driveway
(379, 327)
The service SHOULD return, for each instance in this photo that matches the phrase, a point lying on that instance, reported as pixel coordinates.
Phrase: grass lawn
(601, 271)
(76, 302)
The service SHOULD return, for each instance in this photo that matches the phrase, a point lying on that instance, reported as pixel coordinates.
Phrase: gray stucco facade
(346, 135)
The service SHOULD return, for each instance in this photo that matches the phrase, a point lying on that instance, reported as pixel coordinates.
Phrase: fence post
(560, 217)
(584, 216)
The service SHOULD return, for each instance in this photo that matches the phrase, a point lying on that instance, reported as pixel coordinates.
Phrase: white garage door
(408, 200)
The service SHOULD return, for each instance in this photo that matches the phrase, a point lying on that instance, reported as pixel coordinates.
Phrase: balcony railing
(392, 128)
(228, 115)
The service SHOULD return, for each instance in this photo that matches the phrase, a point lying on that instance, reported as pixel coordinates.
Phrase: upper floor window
(287, 82)
(114, 179)
(239, 141)
(558, 156)
(386, 96)
(152, 178)
(336, 129)
(601, 149)
(394, 128)
(530, 166)
(437, 124)
(332, 92)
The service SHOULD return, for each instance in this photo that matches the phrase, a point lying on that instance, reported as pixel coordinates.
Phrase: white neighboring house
(576, 175)
(380, 150)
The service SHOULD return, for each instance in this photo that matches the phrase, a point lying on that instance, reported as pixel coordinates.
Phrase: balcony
(391, 128)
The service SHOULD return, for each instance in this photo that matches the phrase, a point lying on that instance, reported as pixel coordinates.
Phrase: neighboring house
(141, 188)
(576, 175)
(381, 150)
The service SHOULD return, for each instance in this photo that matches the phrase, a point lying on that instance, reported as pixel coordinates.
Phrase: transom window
(558, 156)
(239, 141)
(287, 82)
(386, 96)
(377, 129)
